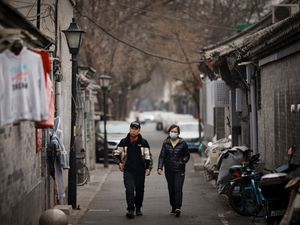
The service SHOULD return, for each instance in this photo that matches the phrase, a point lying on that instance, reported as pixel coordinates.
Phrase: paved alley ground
(201, 204)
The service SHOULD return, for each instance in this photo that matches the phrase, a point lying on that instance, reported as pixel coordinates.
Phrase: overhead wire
(35, 2)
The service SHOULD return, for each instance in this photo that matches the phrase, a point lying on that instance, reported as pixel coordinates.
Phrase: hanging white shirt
(22, 87)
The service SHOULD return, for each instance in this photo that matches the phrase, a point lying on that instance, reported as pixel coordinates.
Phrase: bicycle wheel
(242, 199)
(82, 175)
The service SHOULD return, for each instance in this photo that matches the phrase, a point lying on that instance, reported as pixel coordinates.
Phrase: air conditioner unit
(220, 93)
(283, 11)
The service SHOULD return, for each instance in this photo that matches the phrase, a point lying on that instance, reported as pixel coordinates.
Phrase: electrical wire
(44, 13)
(31, 7)
(134, 47)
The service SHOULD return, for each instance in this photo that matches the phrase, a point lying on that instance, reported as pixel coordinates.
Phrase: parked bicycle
(82, 170)
(243, 193)
(250, 192)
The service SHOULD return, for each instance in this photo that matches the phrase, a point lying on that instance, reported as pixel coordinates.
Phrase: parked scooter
(251, 193)
(213, 152)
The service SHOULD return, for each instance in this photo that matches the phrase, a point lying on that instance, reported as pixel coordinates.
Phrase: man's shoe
(130, 214)
(177, 212)
(172, 211)
(138, 212)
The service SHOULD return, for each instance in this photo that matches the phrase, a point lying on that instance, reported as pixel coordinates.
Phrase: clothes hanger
(14, 39)
(16, 46)
(12, 42)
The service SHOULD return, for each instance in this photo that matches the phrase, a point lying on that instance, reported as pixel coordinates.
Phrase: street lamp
(74, 38)
(104, 83)
(119, 101)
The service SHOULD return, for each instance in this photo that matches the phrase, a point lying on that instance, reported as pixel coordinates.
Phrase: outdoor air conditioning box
(220, 93)
(283, 11)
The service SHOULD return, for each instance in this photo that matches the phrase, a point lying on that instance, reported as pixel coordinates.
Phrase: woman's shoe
(177, 212)
(138, 212)
(130, 214)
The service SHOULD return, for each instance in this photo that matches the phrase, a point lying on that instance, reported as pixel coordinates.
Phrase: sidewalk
(87, 192)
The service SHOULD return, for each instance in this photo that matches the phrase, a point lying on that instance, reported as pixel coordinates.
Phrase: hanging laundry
(50, 94)
(46, 62)
(22, 87)
(59, 157)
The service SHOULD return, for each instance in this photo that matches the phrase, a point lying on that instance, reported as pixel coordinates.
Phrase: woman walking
(173, 156)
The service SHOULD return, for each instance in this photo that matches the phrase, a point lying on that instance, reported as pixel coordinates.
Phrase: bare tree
(129, 39)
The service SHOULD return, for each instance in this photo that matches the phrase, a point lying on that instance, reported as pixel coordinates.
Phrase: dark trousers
(175, 185)
(134, 185)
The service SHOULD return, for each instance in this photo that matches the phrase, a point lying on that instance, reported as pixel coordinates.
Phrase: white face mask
(173, 135)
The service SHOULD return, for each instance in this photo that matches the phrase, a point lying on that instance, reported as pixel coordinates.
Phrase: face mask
(173, 135)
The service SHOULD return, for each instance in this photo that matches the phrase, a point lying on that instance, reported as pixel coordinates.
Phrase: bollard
(53, 217)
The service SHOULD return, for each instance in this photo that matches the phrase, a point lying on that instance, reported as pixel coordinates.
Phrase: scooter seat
(273, 178)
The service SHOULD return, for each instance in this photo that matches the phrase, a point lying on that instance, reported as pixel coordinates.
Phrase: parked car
(115, 130)
(189, 131)
(145, 117)
(174, 118)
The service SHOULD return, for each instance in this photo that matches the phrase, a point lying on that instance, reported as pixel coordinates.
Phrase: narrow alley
(201, 202)
(218, 79)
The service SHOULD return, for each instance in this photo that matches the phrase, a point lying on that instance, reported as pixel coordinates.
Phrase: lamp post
(104, 83)
(74, 38)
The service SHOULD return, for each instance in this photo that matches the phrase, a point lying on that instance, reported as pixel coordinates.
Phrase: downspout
(45, 132)
(57, 84)
(38, 17)
(250, 72)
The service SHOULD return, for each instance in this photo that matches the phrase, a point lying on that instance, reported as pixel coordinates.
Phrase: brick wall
(20, 176)
(278, 127)
(23, 191)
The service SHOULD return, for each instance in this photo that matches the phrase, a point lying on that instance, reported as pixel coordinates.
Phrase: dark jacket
(139, 153)
(174, 158)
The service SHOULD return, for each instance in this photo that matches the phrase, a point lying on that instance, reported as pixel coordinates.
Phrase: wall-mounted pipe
(250, 72)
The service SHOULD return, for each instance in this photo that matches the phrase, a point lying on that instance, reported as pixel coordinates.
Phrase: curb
(198, 162)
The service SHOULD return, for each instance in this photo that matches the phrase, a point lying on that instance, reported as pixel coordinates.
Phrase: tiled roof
(257, 39)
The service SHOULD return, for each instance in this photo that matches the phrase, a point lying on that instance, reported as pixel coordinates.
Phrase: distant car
(115, 131)
(189, 131)
(174, 118)
(147, 116)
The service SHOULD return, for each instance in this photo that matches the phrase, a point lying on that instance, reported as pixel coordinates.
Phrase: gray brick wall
(278, 128)
(22, 191)
(20, 178)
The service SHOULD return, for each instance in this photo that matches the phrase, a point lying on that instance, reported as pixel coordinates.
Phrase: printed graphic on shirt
(19, 77)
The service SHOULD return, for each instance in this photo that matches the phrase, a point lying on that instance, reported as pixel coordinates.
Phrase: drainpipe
(38, 13)
(250, 72)
(57, 84)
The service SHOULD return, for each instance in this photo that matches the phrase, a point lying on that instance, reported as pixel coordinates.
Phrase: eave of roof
(276, 35)
(249, 37)
(11, 18)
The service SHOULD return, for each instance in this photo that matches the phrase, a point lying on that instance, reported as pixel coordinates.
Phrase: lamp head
(104, 81)
(74, 37)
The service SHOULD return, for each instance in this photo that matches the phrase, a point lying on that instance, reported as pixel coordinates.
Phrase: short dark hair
(174, 126)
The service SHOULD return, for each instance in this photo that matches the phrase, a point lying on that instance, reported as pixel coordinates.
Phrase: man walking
(135, 161)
